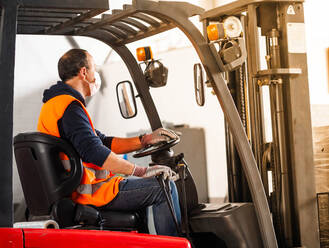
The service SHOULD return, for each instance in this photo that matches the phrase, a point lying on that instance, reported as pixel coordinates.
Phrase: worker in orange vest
(64, 115)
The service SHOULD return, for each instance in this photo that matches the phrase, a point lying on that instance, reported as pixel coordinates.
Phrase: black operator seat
(47, 186)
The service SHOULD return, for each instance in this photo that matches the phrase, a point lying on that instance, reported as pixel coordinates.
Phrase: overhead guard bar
(124, 26)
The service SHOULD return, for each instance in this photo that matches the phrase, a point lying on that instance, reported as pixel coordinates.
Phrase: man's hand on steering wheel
(158, 136)
(159, 140)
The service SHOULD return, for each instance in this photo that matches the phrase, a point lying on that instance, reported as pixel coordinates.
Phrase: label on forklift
(290, 10)
(296, 37)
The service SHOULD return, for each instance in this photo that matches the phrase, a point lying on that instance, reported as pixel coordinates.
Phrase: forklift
(229, 52)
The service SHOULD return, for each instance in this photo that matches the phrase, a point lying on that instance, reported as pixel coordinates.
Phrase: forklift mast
(288, 157)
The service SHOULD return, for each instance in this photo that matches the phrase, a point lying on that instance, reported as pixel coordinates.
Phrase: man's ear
(83, 72)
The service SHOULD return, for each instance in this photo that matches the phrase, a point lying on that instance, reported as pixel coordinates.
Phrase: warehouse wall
(317, 40)
(176, 104)
(36, 69)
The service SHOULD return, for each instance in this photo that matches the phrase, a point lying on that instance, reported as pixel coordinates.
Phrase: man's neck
(78, 86)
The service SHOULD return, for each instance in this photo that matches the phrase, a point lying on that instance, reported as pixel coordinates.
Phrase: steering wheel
(156, 148)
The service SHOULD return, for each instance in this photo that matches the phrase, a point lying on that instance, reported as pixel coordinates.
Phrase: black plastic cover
(43, 177)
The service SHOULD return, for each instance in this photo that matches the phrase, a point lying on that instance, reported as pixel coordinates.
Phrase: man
(64, 115)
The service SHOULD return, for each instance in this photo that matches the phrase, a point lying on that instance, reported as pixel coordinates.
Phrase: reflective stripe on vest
(97, 187)
(91, 188)
(100, 174)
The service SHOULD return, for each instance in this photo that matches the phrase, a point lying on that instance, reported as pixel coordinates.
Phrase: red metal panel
(59, 238)
(11, 238)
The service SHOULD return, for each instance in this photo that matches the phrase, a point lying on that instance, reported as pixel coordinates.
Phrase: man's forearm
(117, 165)
(125, 145)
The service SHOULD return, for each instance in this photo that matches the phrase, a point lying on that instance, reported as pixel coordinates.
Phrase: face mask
(94, 87)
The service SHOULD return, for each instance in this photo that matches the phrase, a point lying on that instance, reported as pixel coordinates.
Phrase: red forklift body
(51, 238)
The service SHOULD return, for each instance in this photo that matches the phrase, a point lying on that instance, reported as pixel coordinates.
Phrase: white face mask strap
(98, 80)
(94, 87)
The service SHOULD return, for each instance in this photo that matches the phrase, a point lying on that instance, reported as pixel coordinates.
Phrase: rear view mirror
(126, 99)
(198, 84)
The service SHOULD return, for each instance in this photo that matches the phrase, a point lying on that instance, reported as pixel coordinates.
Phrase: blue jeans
(139, 193)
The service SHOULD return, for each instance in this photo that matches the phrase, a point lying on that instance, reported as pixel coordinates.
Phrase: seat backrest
(43, 177)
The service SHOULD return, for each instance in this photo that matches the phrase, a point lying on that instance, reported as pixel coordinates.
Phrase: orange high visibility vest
(97, 187)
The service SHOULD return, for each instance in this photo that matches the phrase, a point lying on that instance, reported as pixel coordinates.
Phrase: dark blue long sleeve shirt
(75, 127)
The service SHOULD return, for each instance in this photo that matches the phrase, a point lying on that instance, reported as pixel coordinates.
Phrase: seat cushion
(120, 220)
(67, 213)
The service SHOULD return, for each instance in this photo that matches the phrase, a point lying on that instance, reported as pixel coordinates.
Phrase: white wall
(176, 104)
(317, 40)
(36, 69)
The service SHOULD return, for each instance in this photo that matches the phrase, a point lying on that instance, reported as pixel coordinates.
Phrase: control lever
(181, 172)
(178, 162)
(164, 184)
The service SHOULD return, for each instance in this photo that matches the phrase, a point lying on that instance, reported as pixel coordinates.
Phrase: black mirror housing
(156, 74)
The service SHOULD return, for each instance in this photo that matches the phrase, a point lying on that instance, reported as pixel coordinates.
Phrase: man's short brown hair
(71, 62)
